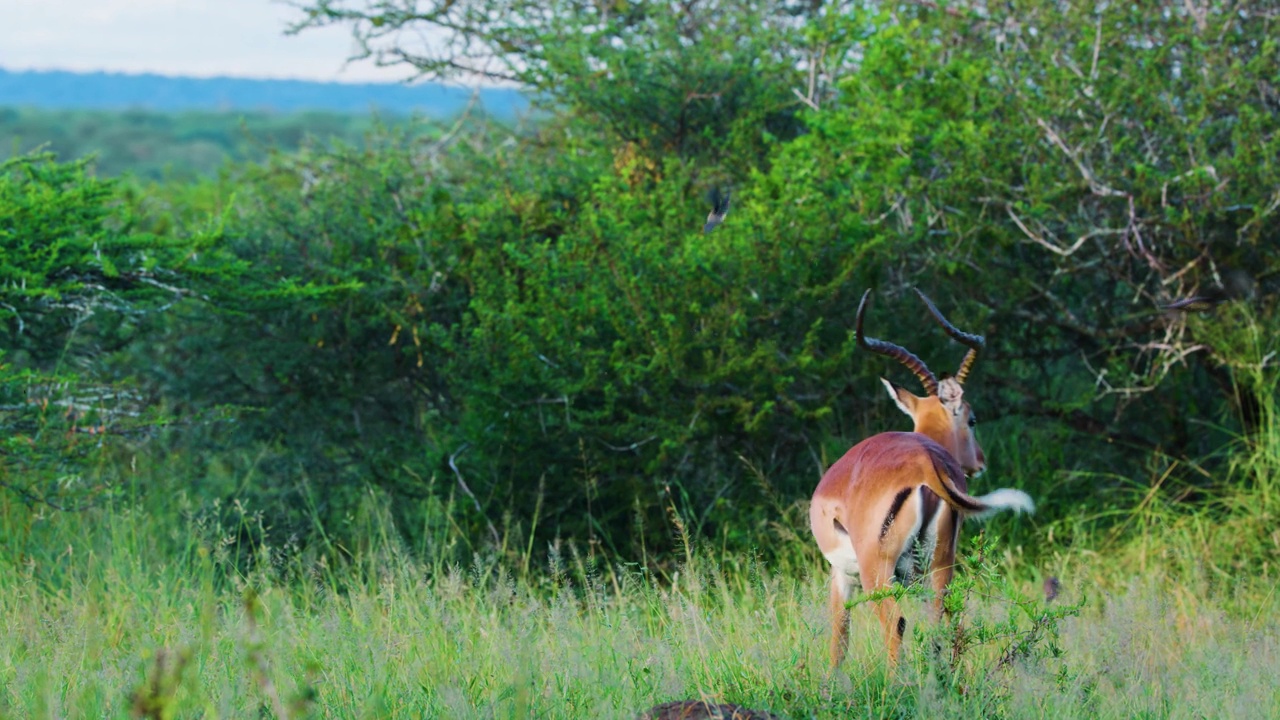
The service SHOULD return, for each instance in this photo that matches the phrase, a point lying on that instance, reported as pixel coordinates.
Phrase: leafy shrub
(78, 279)
(532, 321)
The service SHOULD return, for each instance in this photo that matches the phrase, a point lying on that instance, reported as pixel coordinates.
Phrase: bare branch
(1096, 187)
(453, 465)
(1064, 252)
(806, 100)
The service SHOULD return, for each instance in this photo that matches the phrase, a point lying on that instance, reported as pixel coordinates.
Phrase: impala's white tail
(1004, 499)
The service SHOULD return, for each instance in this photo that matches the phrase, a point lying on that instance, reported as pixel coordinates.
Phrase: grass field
(125, 613)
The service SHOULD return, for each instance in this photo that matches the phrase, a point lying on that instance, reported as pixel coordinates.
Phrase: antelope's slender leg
(877, 573)
(894, 625)
(943, 566)
(841, 585)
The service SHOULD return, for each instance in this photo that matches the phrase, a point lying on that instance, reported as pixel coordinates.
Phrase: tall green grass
(160, 605)
(157, 608)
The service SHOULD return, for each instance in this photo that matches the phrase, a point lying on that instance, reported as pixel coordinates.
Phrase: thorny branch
(1056, 249)
(453, 465)
(1095, 186)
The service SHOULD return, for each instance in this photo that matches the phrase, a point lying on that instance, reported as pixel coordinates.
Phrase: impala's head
(942, 414)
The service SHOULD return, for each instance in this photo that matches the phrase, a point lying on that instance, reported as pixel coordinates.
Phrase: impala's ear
(905, 401)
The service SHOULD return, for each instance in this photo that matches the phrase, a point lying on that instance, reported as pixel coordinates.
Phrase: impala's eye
(972, 421)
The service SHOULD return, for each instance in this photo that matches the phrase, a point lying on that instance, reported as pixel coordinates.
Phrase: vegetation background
(350, 416)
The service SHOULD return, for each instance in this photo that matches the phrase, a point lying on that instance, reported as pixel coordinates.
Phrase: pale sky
(203, 38)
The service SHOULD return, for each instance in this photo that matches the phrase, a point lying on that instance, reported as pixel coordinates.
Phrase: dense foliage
(78, 278)
(531, 325)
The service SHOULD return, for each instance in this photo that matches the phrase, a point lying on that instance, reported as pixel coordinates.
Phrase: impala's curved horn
(897, 352)
(973, 342)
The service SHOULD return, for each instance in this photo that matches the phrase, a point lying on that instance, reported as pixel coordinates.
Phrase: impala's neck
(945, 418)
(936, 422)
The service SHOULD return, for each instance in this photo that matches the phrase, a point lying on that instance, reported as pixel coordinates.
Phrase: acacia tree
(1071, 170)
(705, 79)
(78, 278)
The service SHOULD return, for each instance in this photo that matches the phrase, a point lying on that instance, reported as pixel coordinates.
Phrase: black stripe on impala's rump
(902, 626)
(898, 499)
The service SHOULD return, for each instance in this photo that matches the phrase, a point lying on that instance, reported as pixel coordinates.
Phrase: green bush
(532, 322)
(78, 279)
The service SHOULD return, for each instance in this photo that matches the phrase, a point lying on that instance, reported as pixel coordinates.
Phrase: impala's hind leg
(841, 588)
(891, 619)
(877, 574)
(942, 568)
(879, 559)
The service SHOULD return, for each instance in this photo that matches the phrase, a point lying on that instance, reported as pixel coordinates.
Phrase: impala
(896, 500)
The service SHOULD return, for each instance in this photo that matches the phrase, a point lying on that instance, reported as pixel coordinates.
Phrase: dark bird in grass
(1051, 588)
(702, 710)
(719, 208)
(1236, 285)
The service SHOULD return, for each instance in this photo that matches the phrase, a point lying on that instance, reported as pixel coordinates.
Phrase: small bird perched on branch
(719, 208)
(1236, 285)
(1208, 300)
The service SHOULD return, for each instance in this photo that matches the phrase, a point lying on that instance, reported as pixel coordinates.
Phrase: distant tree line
(160, 146)
(63, 90)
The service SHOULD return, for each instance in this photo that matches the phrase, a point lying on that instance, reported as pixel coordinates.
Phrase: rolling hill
(62, 90)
